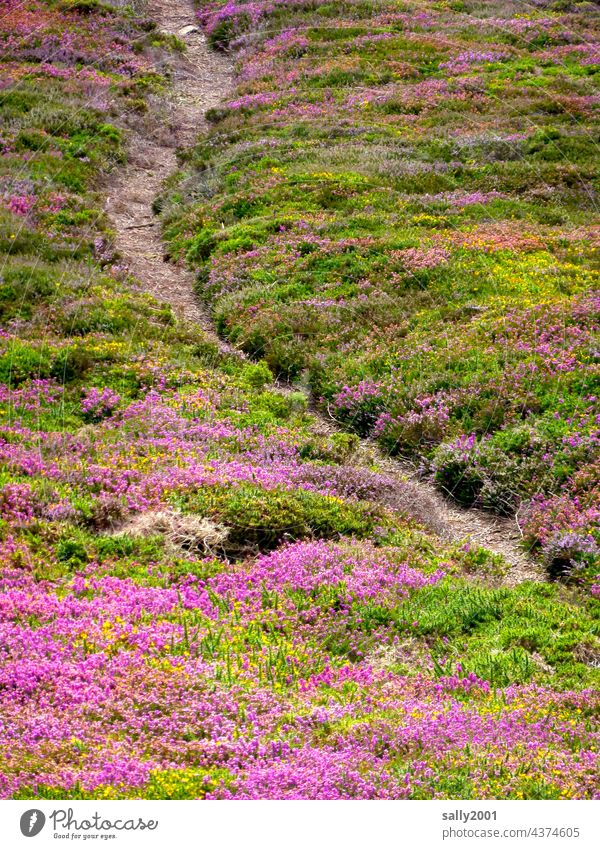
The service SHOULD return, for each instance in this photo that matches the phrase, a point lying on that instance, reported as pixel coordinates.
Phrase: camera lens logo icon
(32, 822)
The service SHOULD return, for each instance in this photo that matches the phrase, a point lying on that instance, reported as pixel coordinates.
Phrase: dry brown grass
(183, 533)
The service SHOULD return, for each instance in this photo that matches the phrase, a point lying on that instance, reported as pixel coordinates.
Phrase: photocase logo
(32, 822)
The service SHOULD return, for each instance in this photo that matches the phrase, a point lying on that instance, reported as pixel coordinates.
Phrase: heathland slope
(205, 591)
(398, 206)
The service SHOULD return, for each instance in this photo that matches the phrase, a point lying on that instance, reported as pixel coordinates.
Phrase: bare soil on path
(443, 515)
(200, 80)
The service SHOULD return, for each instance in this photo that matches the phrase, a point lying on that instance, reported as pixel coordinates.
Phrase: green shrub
(260, 519)
(257, 374)
(23, 361)
(72, 551)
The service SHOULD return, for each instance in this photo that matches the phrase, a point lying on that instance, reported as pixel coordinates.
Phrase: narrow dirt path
(441, 514)
(456, 524)
(200, 80)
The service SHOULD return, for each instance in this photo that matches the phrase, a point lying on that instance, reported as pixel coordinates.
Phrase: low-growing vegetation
(202, 594)
(397, 207)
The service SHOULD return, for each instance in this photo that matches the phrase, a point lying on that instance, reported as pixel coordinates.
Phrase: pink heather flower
(54, 203)
(17, 502)
(418, 259)
(100, 403)
(463, 61)
(20, 204)
(352, 396)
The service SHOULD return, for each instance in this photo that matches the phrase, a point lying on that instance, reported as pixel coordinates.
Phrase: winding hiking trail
(442, 515)
(199, 81)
